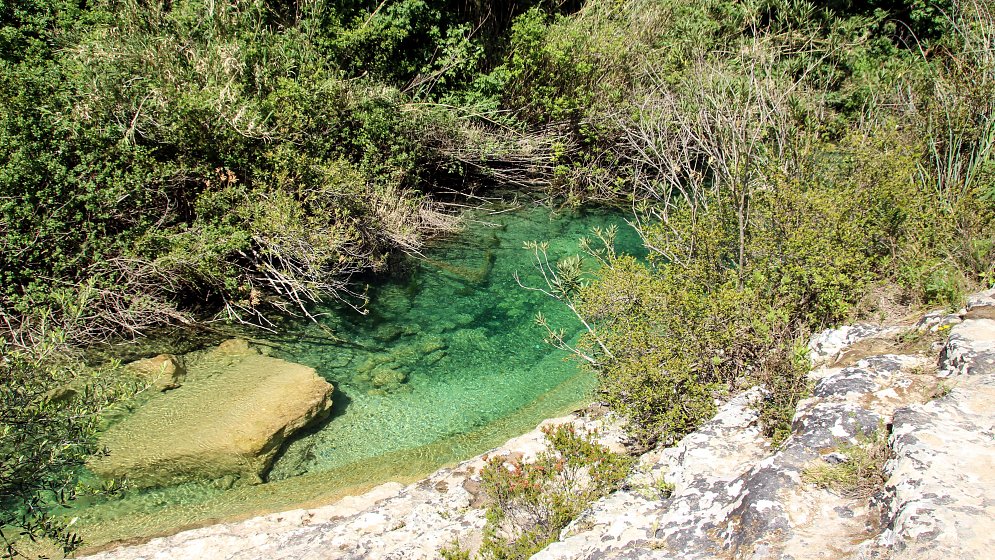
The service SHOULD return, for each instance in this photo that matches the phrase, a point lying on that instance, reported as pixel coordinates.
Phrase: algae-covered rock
(235, 347)
(385, 377)
(431, 344)
(231, 420)
(164, 371)
(434, 357)
(388, 333)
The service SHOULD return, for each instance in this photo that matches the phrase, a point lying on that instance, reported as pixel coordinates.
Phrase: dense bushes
(785, 163)
(162, 158)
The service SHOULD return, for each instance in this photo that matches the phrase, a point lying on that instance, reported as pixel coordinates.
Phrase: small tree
(529, 503)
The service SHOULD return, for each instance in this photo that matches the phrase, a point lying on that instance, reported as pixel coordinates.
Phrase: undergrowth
(781, 165)
(528, 503)
(854, 470)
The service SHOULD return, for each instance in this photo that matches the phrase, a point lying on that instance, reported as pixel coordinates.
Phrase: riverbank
(722, 490)
(123, 526)
(441, 368)
(415, 520)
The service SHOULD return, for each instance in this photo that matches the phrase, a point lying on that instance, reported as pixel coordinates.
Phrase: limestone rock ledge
(941, 492)
(391, 521)
(230, 422)
(733, 500)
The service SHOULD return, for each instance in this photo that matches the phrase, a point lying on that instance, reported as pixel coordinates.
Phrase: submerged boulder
(229, 420)
(235, 347)
(387, 377)
(164, 371)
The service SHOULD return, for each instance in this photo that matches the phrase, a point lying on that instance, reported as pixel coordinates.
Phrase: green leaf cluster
(792, 165)
(48, 421)
(215, 156)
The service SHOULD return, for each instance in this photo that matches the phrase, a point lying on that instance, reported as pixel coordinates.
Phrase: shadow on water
(298, 462)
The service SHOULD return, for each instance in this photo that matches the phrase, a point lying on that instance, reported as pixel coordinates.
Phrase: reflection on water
(447, 364)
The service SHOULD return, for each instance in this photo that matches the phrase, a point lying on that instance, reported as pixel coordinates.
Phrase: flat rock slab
(230, 421)
(943, 477)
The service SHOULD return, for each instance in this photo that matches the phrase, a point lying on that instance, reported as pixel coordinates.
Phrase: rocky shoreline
(722, 491)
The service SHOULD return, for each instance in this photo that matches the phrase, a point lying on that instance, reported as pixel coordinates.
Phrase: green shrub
(529, 503)
(196, 155)
(859, 470)
(49, 411)
(774, 182)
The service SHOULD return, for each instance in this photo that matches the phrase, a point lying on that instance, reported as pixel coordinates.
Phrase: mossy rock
(235, 347)
(386, 377)
(434, 357)
(230, 419)
(388, 333)
(431, 344)
(164, 371)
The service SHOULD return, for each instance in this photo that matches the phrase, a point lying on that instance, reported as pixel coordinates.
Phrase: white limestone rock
(942, 477)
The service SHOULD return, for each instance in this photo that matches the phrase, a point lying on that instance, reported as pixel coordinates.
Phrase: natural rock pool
(446, 364)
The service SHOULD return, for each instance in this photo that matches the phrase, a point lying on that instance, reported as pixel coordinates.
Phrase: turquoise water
(446, 363)
(446, 349)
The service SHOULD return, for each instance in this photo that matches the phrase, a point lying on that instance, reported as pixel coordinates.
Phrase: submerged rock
(164, 371)
(387, 377)
(389, 371)
(235, 347)
(231, 421)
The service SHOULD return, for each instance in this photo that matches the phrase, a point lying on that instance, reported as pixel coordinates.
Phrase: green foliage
(774, 181)
(786, 383)
(680, 337)
(48, 421)
(673, 334)
(416, 44)
(454, 551)
(579, 68)
(529, 503)
(663, 488)
(226, 157)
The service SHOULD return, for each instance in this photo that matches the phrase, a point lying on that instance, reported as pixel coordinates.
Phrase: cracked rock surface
(941, 489)
(734, 498)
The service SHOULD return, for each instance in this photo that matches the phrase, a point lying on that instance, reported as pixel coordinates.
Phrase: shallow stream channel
(447, 363)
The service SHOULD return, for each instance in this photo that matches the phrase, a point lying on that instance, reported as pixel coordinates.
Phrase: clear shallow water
(447, 364)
